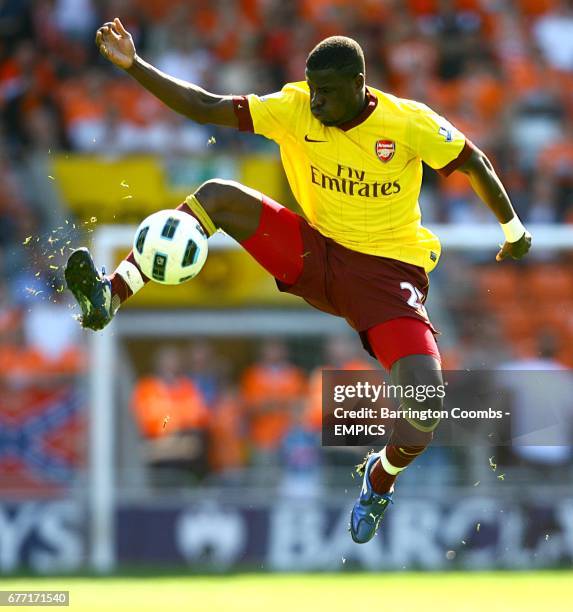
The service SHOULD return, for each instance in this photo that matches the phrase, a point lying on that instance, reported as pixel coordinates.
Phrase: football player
(353, 158)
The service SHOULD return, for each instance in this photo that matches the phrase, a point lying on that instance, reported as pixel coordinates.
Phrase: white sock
(387, 466)
(131, 275)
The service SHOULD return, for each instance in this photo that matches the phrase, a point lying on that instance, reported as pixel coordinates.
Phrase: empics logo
(385, 150)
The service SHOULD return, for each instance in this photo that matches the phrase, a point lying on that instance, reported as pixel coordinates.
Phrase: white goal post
(104, 351)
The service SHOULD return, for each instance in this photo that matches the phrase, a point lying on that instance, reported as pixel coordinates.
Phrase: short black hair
(339, 53)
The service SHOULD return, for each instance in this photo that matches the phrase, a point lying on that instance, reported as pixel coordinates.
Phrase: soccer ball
(170, 247)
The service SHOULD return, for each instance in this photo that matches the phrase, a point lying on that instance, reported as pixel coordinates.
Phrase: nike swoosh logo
(312, 139)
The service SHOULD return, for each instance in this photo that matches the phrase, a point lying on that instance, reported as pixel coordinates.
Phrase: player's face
(334, 97)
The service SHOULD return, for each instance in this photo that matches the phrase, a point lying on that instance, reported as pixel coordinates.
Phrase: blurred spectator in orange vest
(228, 440)
(172, 418)
(166, 402)
(227, 429)
(270, 388)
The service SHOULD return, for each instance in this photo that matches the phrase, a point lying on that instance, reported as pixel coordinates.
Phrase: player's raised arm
(490, 190)
(116, 45)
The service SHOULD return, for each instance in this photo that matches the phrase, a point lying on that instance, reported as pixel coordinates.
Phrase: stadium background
(231, 480)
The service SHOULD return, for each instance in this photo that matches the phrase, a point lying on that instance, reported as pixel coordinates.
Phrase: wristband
(513, 230)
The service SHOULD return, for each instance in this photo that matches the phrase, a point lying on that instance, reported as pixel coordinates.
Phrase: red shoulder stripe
(243, 113)
(461, 159)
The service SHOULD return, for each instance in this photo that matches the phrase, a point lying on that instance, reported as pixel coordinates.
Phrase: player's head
(335, 75)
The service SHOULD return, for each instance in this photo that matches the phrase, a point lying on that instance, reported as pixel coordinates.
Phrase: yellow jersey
(358, 183)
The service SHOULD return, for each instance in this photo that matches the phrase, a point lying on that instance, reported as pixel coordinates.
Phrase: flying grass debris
(492, 463)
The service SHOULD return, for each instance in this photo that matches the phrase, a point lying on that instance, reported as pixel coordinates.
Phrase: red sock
(397, 456)
(119, 286)
(405, 444)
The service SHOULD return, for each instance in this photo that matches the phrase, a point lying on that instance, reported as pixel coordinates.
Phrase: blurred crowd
(500, 70)
(195, 418)
(199, 422)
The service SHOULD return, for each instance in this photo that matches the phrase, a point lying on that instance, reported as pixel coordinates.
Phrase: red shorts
(364, 289)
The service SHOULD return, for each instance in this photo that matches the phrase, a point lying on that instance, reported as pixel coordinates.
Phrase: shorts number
(416, 296)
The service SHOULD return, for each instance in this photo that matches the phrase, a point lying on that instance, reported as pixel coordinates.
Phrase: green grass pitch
(407, 592)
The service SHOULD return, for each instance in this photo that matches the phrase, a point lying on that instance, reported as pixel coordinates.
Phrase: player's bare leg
(217, 204)
(409, 439)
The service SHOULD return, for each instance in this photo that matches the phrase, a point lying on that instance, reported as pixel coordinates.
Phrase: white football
(170, 247)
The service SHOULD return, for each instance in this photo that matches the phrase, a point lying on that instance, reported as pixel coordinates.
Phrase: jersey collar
(366, 112)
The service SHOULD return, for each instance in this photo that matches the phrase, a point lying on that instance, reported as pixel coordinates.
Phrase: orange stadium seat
(498, 284)
(565, 356)
(552, 316)
(422, 7)
(428, 7)
(549, 282)
(516, 323)
(535, 8)
(486, 92)
(156, 9)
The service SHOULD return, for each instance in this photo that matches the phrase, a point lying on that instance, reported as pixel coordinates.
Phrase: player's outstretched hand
(515, 250)
(115, 43)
